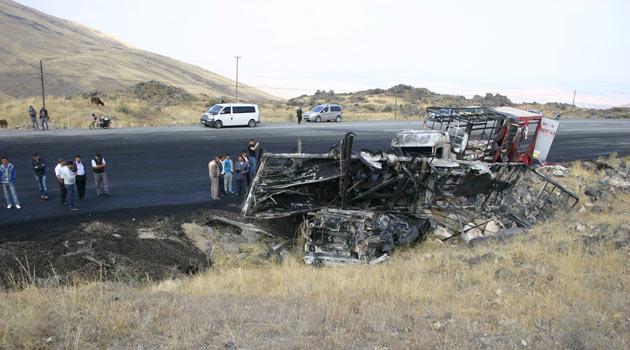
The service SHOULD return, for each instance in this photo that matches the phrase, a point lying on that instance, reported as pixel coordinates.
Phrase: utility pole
(41, 72)
(236, 91)
(574, 91)
(396, 103)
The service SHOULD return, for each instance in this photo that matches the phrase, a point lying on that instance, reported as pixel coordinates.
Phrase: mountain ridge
(78, 58)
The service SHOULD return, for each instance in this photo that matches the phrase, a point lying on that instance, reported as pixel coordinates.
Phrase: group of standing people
(70, 176)
(43, 117)
(229, 178)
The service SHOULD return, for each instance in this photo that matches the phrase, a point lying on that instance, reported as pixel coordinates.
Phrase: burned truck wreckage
(357, 207)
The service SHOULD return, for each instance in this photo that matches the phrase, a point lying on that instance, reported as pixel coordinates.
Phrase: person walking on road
(299, 115)
(43, 116)
(68, 177)
(227, 174)
(39, 168)
(214, 173)
(7, 178)
(33, 114)
(241, 170)
(62, 188)
(81, 177)
(100, 176)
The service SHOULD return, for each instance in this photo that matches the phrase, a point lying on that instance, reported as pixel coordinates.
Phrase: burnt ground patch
(130, 245)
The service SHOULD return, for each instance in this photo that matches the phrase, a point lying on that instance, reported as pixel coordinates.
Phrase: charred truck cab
(501, 134)
(422, 143)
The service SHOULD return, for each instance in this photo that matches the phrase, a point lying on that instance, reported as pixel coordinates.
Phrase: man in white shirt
(80, 178)
(68, 177)
(62, 187)
(100, 177)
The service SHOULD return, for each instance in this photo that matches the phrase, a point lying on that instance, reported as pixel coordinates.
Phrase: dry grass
(545, 289)
(76, 112)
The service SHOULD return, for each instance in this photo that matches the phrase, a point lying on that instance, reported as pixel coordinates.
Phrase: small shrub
(123, 109)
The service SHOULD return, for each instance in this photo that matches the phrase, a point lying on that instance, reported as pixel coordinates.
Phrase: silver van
(327, 112)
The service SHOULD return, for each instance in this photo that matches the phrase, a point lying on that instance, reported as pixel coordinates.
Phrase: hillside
(407, 101)
(78, 59)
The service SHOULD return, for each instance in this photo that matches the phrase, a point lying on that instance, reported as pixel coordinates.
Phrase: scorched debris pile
(357, 207)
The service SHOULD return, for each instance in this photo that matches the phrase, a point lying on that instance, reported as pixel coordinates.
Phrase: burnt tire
(218, 124)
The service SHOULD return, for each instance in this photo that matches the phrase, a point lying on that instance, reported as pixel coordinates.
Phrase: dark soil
(131, 245)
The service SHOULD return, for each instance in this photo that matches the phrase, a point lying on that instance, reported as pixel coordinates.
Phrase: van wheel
(318, 119)
(252, 123)
(338, 119)
(218, 124)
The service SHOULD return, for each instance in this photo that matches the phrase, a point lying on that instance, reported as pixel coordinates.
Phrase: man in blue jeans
(39, 167)
(227, 174)
(7, 178)
(33, 114)
(68, 175)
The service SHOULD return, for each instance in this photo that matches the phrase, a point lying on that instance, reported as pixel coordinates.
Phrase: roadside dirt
(129, 246)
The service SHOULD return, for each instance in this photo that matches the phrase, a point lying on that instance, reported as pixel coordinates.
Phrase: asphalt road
(168, 165)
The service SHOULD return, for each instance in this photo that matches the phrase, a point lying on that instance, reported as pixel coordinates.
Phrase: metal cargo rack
(552, 197)
(472, 130)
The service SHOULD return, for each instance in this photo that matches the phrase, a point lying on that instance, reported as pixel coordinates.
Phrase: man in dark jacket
(221, 183)
(299, 115)
(39, 168)
(241, 170)
(43, 116)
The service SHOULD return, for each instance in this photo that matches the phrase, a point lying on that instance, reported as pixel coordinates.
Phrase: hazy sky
(529, 50)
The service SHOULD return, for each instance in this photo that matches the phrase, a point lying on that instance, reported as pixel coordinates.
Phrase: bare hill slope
(78, 59)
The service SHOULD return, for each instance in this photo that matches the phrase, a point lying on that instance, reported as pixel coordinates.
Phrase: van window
(325, 110)
(335, 108)
(226, 110)
(215, 109)
(244, 109)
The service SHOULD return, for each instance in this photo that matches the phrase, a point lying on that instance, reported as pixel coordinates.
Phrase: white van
(231, 114)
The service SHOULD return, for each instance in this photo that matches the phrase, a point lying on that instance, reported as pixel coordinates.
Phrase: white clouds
(495, 45)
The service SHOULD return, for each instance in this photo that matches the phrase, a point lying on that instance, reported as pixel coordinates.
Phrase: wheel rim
(252, 123)
(338, 119)
(218, 125)
(318, 119)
